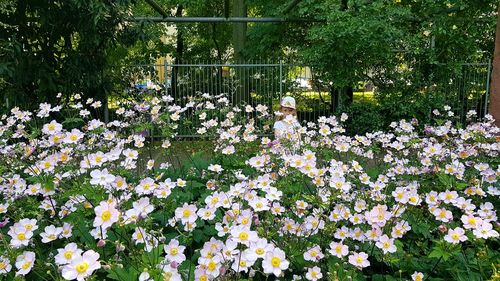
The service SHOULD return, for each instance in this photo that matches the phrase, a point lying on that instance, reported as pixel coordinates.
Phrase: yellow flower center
(174, 251)
(186, 213)
(68, 255)
(82, 267)
(455, 236)
(359, 259)
(338, 249)
(243, 236)
(212, 265)
(106, 215)
(442, 214)
(21, 236)
(259, 251)
(26, 265)
(167, 276)
(275, 261)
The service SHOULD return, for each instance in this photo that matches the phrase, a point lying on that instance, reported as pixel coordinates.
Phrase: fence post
(488, 79)
(281, 78)
(165, 74)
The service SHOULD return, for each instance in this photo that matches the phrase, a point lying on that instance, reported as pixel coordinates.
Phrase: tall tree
(58, 46)
(402, 47)
(239, 29)
(494, 103)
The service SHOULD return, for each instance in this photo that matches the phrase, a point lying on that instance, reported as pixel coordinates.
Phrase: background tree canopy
(400, 46)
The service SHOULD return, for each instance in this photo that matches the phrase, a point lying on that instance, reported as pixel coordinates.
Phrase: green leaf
(444, 250)
(122, 274)
(199, 236)
(445, 180)
(73, 122)
(82, 231)
(461, 185)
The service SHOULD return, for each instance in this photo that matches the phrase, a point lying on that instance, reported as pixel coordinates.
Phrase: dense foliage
(85, 200)
(58, 46)
(75, 46)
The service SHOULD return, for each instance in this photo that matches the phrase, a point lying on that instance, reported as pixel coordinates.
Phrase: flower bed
(81, 199)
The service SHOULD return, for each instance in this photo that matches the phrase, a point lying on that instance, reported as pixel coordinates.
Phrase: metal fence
(466, 87)
(252, 83)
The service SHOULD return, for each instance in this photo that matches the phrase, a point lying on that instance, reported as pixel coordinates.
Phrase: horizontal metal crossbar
(228, 65)
(219, 19)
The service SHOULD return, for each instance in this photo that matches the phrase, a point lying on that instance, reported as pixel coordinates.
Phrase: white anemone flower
(82, 266)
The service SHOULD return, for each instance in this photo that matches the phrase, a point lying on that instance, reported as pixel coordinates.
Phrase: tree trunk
(241, 93)
(239, 29)
(346, 92)
(178, 56)
(494, 103)
(334, 105)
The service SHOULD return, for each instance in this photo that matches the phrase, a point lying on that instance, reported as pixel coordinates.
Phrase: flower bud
(442, 228)
(101, 243)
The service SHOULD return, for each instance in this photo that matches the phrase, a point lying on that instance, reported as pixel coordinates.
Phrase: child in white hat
(287, 125)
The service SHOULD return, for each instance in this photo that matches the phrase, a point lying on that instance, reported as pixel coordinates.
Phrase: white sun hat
(288, 102)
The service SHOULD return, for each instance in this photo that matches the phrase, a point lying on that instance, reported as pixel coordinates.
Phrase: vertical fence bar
(165, 74)
(281, 78)
(487, 94)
